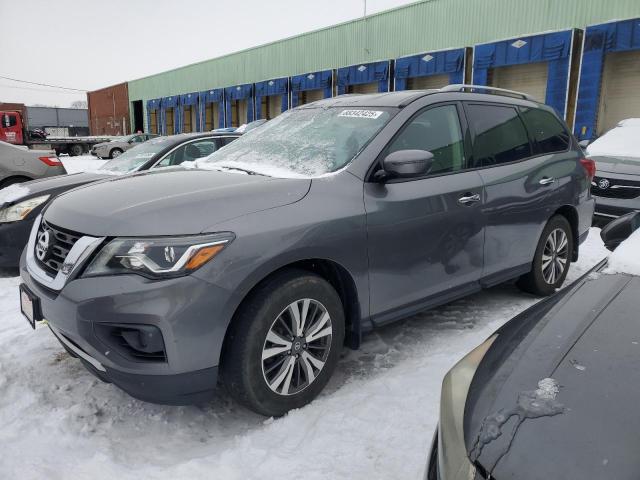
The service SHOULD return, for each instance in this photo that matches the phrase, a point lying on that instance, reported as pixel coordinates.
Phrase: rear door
(520, 183)
(425, 235)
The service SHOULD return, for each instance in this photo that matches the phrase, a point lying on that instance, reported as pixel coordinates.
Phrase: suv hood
(169, 202)
(622, 165)
(589, 343)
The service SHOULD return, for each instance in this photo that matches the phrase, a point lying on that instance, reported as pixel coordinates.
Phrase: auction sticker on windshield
(373, 114)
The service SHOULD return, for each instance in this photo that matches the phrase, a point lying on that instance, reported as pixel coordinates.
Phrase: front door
(425, 235)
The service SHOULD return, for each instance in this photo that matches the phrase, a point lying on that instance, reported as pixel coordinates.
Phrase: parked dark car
(325, 222)
(18, 213)
(616, 186)
(554, 392)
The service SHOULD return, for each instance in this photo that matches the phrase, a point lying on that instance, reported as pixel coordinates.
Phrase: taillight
(590, 166)
(51, 161)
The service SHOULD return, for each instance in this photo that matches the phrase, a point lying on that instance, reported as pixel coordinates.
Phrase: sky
(91, 44)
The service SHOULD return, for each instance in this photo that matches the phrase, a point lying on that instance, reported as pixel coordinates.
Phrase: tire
(263, 384)
(545, 278)
(76, 150)
(116, 152)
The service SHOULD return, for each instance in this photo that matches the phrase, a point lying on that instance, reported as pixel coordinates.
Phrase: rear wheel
(116, 152)
(552, 258)
(284, 343)
(76, 150)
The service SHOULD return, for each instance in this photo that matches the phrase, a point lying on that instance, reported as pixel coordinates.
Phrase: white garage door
(620, 93)
(425, 83)
(363, 88)
(530, 78)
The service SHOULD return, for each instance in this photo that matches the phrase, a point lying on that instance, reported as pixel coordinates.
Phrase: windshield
(134, 158)
(306, 142)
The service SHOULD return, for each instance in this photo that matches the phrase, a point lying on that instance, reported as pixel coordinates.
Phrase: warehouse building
(579, 56)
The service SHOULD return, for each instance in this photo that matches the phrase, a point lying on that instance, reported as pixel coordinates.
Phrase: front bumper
(615, 207)
(185, 310)
(13, 238)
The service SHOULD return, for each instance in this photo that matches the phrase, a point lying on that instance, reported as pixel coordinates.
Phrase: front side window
(189, 152)
(500, 136)
(305, 142)
(548, 133)
(438, 131)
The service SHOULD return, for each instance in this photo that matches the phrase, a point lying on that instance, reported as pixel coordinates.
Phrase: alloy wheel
(555, 256)
(297, 347)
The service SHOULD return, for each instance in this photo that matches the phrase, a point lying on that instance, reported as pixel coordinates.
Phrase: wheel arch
(571, 214)
(10, 180)
(337, 276)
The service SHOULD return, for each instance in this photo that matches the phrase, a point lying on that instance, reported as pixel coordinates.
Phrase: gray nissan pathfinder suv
(259, 262)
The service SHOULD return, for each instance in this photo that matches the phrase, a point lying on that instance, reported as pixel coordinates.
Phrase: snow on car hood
(12, 193)
(621, 141)
(626, 258)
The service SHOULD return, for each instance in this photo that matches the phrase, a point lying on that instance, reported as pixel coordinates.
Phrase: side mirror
(618, 230)
(405, 164)
(584, 143)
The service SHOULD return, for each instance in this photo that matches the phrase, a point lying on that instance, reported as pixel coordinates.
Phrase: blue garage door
(603, 55)
(310, 87)
(554, 49)
(211, 109)
(189, 120)
(364, 78)
(430, 70)
(153, 116)
(169, 115)
(272, 98)
(238, 105)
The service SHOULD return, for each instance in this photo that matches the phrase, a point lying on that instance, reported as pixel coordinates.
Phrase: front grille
(624, 189)
(52, 250)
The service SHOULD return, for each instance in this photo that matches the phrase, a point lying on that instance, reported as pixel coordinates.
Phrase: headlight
(160, 257)
(20, 210)
(453, 460)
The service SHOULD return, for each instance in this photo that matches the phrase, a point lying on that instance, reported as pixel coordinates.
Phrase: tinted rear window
(549, 134)
(500, 136)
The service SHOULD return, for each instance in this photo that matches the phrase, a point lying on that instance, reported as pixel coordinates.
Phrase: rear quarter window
(549, 134)
(499, 135)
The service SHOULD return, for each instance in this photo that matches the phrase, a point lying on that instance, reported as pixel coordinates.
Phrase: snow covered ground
(82, 163)
(374, 421)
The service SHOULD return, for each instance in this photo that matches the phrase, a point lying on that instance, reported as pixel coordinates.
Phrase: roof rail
(492, 90)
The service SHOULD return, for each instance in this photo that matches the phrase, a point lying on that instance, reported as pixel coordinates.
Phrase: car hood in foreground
(622, 165)
(587, 343)
(170, 202)
(58, 184)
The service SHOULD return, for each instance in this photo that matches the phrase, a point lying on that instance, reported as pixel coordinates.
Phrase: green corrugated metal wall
(418, 27)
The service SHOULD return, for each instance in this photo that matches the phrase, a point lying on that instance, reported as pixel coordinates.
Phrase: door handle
(546, 180)
(469, 199)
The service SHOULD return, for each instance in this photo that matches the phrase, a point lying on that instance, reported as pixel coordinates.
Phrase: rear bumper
(13, 238)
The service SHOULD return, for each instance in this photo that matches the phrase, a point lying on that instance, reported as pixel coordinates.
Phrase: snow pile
(621, 141)
(626, 258)
(375, 420)
(13, 192)
(82, 163)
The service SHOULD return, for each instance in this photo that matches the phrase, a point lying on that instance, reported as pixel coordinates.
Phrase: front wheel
(116, 152)
(552, 258)
(284, 343)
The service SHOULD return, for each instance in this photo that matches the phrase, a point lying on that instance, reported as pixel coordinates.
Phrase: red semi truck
(14, 130)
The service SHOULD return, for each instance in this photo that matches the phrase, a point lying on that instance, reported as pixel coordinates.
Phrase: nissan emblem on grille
(43, 245)
(603, 183)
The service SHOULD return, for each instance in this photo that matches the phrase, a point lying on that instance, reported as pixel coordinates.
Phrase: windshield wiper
(248, 172)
